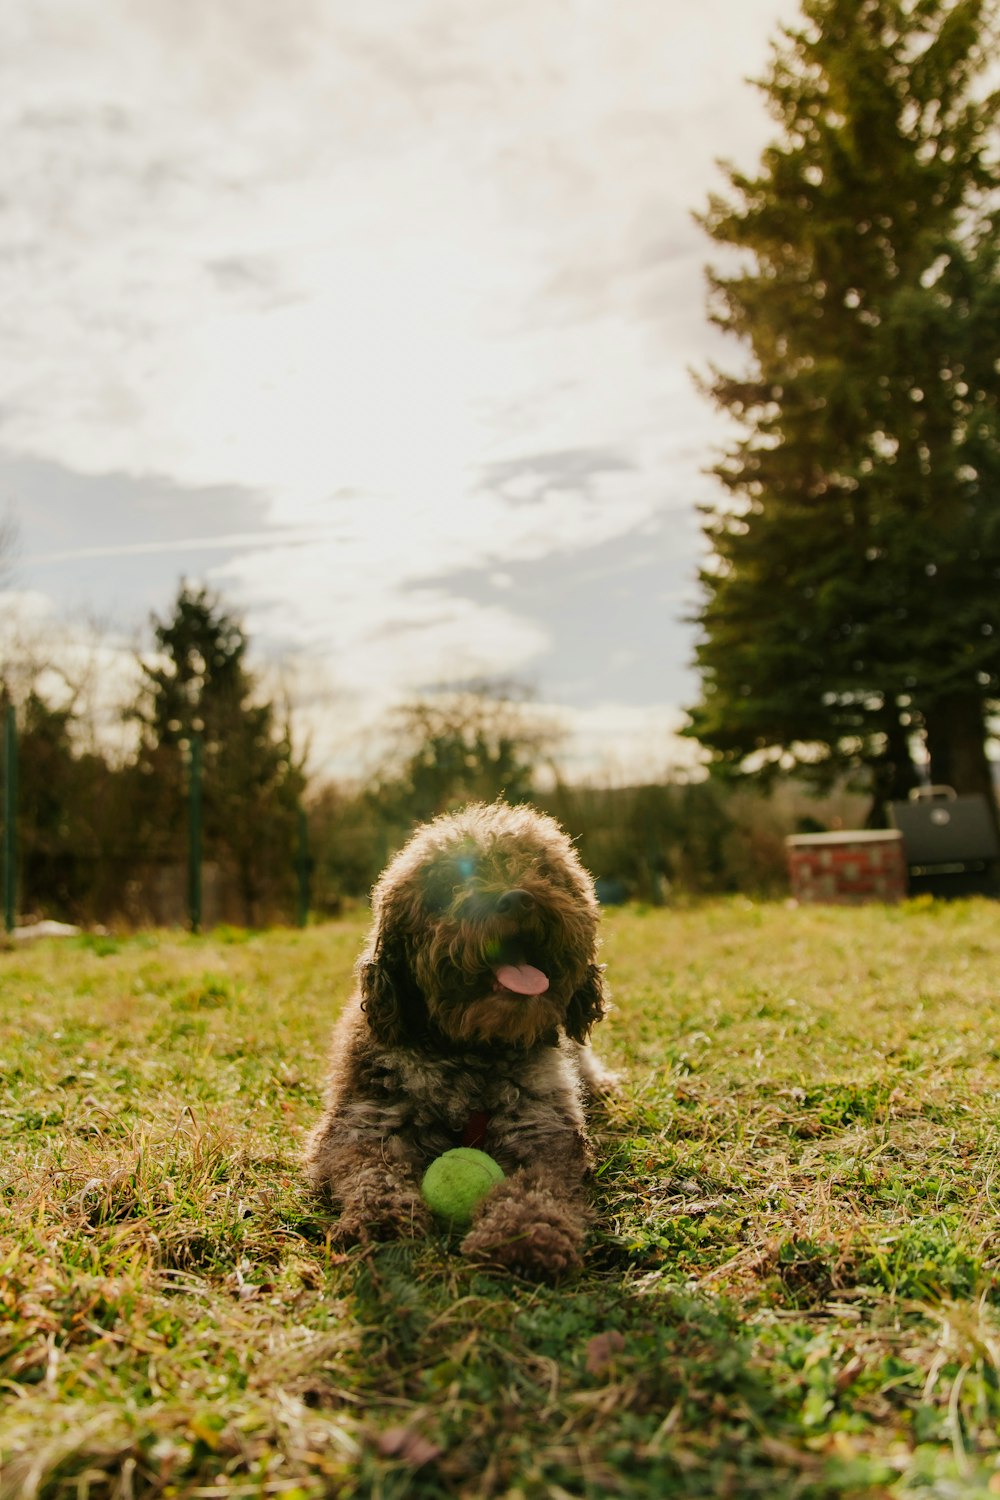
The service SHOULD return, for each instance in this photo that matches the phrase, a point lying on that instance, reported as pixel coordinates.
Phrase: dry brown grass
(791, 1290)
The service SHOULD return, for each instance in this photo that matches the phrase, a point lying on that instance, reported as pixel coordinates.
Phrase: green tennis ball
(455, 1182)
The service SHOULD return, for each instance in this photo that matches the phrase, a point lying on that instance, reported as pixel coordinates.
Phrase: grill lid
(945, 829)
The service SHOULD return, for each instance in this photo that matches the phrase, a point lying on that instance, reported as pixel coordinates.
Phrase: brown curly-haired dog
(478, 988)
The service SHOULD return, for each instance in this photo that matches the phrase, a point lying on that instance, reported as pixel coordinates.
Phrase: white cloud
(614, 744)
(351, 258)
(21, 607)
(362, 248)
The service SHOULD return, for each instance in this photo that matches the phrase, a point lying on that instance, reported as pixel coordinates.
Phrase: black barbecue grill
(950, 842)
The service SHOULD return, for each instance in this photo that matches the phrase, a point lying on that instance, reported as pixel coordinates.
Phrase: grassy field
(792, 1288)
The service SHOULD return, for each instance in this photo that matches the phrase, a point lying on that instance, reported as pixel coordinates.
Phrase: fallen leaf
(601, 1351)
(407, 1444)
(848, 1374)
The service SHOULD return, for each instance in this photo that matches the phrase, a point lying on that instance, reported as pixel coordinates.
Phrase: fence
(9, 818)
(162, 888)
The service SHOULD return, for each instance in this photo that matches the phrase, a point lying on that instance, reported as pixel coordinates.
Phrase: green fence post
(194, 832)
(10, 818)
(303, 866)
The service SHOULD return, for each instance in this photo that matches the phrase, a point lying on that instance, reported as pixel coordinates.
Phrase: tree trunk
(893, 775)
(955, 726)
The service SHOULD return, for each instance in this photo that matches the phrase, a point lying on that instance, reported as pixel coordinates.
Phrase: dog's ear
(587, 1004)
(389, 998)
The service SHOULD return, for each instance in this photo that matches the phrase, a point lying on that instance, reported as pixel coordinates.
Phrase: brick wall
(847, 868)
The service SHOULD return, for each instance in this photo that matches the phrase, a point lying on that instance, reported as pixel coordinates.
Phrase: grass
(792, 1288)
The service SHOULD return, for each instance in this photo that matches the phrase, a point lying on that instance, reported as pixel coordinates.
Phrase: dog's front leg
(373, 1177)
(535, 1220)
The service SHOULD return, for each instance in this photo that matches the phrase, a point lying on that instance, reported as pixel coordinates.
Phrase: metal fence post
(10, 818)
(303, 867)
(194, 832)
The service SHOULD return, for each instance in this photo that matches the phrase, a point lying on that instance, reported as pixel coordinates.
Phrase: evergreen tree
(851, 595)
(199, 684)
(72, 810)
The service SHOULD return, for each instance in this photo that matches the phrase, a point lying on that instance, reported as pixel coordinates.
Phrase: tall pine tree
(852, 594)
(199, 683)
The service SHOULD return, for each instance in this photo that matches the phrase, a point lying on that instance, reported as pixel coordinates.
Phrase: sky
(378, 318)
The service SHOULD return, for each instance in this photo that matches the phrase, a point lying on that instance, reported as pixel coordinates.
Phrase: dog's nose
(515, 903)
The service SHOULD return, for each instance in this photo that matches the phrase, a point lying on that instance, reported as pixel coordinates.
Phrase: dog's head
(485, 930)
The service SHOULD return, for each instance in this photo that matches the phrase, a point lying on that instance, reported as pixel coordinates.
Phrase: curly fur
(433, 1041)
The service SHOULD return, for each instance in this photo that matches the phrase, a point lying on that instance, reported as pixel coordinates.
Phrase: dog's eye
(437, 893)
(440, 888)
(447, 881)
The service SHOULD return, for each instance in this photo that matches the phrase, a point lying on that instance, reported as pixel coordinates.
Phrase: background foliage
(850, 596)
(105, 840)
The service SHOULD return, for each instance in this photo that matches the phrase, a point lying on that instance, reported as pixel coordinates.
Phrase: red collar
(476, 1126)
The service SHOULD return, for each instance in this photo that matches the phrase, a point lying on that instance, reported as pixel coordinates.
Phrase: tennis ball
(455, 1182)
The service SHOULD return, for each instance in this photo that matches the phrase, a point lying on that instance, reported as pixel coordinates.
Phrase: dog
(477, 991)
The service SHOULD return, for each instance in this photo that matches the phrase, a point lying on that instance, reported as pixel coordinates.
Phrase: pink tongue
(522, 979)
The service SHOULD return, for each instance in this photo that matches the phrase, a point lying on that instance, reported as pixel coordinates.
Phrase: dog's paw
(530, 1231)
(605, 1087)
(384, 1216)
(600, 1082)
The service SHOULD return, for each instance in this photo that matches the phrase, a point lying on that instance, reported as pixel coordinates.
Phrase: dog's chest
(452, 1093)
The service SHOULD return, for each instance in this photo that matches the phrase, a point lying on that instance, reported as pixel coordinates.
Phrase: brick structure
(847, 868)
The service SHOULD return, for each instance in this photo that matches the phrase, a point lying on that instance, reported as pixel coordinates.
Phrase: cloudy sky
(379, 318)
